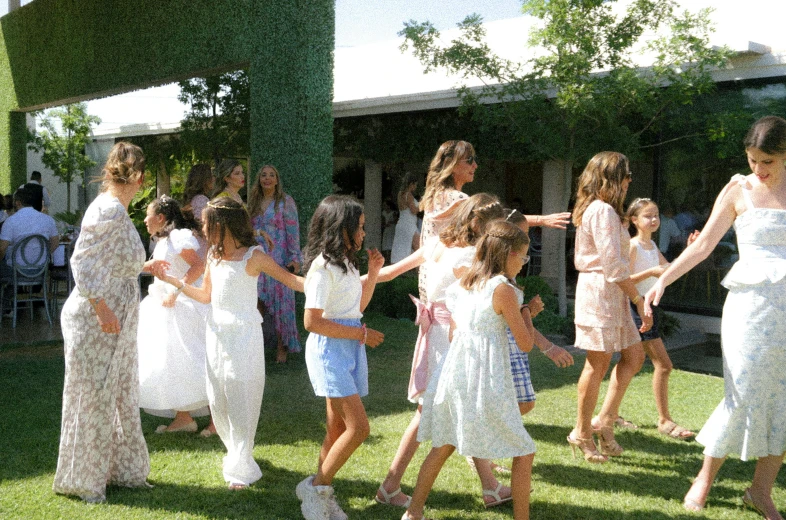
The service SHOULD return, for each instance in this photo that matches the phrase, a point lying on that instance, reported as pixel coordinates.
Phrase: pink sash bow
(428, 313)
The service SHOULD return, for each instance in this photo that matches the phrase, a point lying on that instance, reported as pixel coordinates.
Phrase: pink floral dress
(101, 438)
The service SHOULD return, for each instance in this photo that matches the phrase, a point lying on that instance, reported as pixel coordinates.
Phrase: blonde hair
(501, 239)
(256, 195)
(470, 219)
(124, 165)
(602, 180)
(440, 173)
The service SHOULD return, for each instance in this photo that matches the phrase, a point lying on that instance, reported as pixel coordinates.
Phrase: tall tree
(583, 90)
(218, 123)
(61, 142)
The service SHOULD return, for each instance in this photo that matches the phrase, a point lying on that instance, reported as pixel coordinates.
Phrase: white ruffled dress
(171, 340)
(751, 419)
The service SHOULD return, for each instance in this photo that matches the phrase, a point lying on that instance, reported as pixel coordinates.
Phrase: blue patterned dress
(751, 419)
(283, 227)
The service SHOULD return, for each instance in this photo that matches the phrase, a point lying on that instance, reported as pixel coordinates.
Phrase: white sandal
(387, 496)
(498, 500)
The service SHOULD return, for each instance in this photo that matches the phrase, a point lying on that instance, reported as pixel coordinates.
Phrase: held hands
(653, 297)
(646, 319)
(535, 306)
(374, 337)
(157, 268)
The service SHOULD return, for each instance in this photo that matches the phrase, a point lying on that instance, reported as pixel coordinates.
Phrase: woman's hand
(555, 220)
(653, 297)
(106, 318)
(157, 268)
(646, 319)
(536, 306)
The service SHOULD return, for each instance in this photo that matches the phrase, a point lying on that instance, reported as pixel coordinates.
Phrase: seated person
(24, 222)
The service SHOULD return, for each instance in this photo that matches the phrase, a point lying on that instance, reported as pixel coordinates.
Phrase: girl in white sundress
(171, 334)
(470, 406)
(751, 419)
(235, 350)
(443, 254)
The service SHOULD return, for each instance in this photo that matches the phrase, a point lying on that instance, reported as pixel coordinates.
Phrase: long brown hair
(440, 173)
(256, 195)
(226, 215)
(602, 180)
(470, 219)
(501, 239)
(223, 170)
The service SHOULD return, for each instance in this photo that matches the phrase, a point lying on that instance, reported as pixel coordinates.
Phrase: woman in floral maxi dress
(274, 217)
(101, 438)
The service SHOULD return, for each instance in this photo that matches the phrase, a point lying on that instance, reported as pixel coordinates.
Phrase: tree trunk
(562, 257)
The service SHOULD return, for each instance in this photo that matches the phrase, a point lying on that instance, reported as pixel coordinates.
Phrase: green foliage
(218, 124)
(137, 209)
(549, 320)
(392, 299)
(61, 143)
(69, 217)
(94, 48)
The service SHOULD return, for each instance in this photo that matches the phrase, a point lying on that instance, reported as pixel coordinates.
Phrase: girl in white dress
(407, 226)
(235, 350)
(751, 419)
(470, 405)
(171, 333)
(454, 248)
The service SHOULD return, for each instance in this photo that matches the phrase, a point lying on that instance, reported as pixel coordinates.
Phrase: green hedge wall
(58, 51)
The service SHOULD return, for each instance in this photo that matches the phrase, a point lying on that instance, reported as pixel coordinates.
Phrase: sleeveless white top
(645, 259)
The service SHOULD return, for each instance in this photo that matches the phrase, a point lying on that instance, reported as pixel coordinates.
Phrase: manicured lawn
(647, 482)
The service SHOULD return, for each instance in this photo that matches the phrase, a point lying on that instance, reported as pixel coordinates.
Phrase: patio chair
(61, 274)
(29, 267)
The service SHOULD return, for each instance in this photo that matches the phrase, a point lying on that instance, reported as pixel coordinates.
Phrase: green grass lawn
(647, 482)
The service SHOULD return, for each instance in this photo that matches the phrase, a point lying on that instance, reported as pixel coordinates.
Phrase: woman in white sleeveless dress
(407, 227)
(751, 419)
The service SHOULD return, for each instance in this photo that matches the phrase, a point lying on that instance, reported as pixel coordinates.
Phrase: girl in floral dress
(470, 404)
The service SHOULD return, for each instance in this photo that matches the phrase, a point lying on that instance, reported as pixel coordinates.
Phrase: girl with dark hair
(335, 349)
(171, 334)
(235, 356)
(751, 419)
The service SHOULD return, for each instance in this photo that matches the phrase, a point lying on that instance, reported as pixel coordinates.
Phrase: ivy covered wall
(59, 51)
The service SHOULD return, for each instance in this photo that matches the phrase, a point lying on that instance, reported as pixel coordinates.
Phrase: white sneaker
(300, 488)
(334, 510)
(316, 502)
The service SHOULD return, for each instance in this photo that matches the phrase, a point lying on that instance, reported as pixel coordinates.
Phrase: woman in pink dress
(603, 321)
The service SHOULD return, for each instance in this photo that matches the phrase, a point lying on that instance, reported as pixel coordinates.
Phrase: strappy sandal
(691, 505)
(608, 444)
(675, 431)
(621, 422)
(407, 517)
(587, 447)
(387, 497)
(498, 500)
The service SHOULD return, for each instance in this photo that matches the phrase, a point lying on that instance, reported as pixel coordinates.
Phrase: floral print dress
(280, 221)
(101, 439)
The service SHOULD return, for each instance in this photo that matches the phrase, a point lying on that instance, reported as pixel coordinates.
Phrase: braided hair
(470, 219)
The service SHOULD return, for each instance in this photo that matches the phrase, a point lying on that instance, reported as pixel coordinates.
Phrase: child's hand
(536, 306)
(169, 300)
(693, 236)
(374, 338)
(375, 260)
(659, 270)
(157, 268)
(559, 356)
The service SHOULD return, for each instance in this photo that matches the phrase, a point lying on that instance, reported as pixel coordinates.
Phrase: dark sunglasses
(472, 159)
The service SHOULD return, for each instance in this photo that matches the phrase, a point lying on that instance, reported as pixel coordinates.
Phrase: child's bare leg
(521, 484)
(406, 450)
(660, 378)
(767, 469)
(696, 496)
(347, 428)
(428, 473)
(488, 480)
(526, 407)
